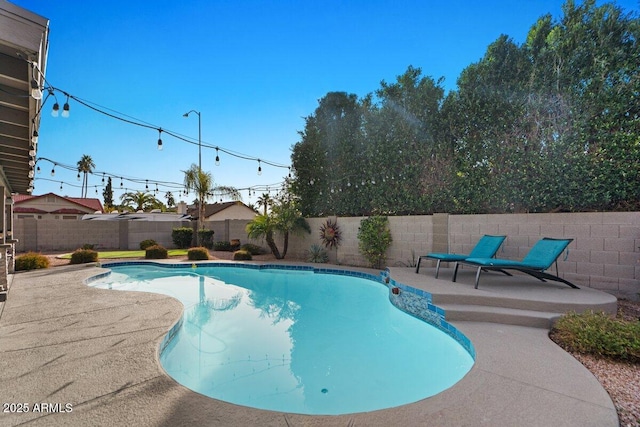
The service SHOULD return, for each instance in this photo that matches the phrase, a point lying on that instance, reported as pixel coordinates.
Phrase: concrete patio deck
(96, 350)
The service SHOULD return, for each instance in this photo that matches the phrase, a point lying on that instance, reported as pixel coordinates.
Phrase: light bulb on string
(36, 92)
(65, 109)
(53, 171)
(38, 169)
(160, 139)
(55, 111)
(259, 168)
(78, 177)
(217, 158)
(60, 185)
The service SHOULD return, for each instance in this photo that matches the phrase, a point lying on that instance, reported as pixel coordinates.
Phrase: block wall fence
(604, 253)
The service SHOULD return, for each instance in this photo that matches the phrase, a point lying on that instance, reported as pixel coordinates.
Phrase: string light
(53, 171)
(160, 139)
(217, 157)
(65, 109)
(259, 168)
(78, 177)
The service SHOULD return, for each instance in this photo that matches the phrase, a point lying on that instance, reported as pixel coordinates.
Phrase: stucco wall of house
(234, 212)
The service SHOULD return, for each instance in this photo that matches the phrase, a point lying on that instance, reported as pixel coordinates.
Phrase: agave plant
(330, 234)
(317, 254)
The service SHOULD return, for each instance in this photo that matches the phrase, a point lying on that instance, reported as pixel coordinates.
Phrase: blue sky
(253, 69)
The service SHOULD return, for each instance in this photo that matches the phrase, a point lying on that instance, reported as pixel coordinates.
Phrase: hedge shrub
(31, 261)
(156, 252)
(147, 244)
(182, 237)
(242, 255)
(206, 238)
(374, 239)
(222, 245)
(598, 334)
(198, 254)
(252, 249)
(83, 256)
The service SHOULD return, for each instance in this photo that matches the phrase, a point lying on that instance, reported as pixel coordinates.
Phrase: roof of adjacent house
(213, 208)
(88, 203)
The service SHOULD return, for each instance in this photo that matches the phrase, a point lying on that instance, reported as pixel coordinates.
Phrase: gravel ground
(620, 379)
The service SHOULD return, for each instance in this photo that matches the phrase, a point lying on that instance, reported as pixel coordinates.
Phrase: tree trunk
(272, 245)
(286, 244)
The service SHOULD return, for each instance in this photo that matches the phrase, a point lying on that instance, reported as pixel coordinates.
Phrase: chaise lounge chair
(486, 247)
(540, 257)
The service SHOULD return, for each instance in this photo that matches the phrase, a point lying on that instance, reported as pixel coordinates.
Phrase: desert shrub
(88, 246)
(222, 246)
(156, 252)
(242, 255)
(206, 238)
(147, 243)
(598, 334)
(252, 249)
(83, 256)
(31, 261)
(317, 253)
(374, 239)
(235, 244)
(197, 253)
(182, 237)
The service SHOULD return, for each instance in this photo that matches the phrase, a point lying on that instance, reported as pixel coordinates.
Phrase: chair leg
(478, 276)
(437, 268)
(455, 272)
(418, 266)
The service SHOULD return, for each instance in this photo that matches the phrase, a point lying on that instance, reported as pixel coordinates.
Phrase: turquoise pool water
(296, 341)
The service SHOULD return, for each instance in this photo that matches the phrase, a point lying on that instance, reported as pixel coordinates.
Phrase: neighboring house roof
(213, 208)
(28, 210)
(94, 205)
(68, 211)
(131, 216)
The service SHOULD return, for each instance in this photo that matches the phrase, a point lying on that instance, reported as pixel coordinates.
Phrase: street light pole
(199, 136)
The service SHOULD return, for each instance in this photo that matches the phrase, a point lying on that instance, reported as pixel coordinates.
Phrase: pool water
(296, 341)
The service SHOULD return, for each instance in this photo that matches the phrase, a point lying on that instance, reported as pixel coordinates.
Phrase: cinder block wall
(604, 253)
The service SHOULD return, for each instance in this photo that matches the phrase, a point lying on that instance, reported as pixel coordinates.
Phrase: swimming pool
(295, 340)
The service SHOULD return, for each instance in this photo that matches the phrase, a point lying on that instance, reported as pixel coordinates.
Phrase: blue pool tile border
(416, 302)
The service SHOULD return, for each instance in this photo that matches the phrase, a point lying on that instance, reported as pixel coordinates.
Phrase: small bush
(182, 237)
(147, 244)
(222, 246)
(83, 256)
(88, 246)
(374, 239)
(242, 255)
(156, 252)
(206, 238)
(197, 254)
(235, 244)
(252, 249)
(31, 261)
(599, 334)
(316, 253)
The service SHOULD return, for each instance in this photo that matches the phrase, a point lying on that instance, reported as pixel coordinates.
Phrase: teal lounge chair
(486, 247)
(540, 257)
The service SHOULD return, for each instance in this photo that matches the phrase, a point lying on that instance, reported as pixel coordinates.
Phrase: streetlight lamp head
(185, 115)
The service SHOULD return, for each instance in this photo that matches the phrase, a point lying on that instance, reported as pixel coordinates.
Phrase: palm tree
(265, 201)
(201, 183)
(85, 165)
(263, 226)
(141, 200)
(284, 218)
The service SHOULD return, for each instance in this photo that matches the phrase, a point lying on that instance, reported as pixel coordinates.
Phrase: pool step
(508, 316)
